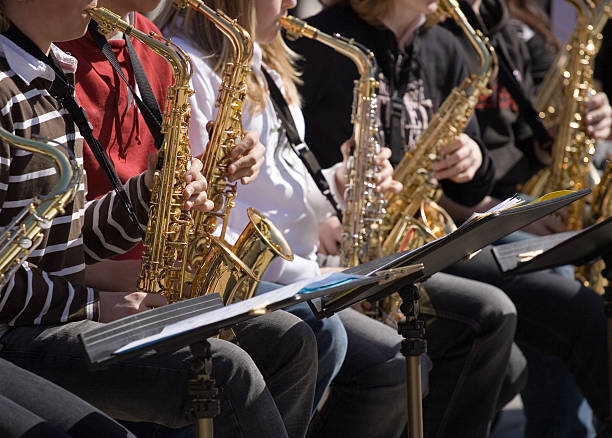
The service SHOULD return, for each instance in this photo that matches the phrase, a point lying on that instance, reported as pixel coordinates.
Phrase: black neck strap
(147, 105)
(298, 145)
(63, 91)
(508, 79)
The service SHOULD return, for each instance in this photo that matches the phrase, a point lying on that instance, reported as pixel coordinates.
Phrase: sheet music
(257, 304)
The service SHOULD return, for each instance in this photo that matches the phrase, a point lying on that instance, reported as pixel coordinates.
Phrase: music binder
(577, 249)
(186, 322)
(470, 237)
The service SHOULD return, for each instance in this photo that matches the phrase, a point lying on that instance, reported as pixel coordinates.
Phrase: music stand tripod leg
(203, 405)
(413, 346)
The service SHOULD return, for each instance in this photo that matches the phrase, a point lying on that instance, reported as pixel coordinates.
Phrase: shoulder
(440, 39)
(144, 24)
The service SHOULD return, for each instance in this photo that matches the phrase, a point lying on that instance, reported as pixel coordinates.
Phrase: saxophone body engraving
(232, 270)
(365, 207)
(413, 216)
(25, 231)
(169, 227)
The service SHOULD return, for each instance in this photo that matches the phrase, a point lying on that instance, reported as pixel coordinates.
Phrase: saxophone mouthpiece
(296, 28)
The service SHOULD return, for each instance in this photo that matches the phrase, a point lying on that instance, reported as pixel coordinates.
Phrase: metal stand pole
(413, 346)
(203, 406)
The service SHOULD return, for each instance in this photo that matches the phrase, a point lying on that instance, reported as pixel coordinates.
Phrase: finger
(596, 100)
(194, 188)
(383, 155)
(151, 301)
(331, 246)
(194, 170)
(241, 164)
(450, 147)
(243, 147)
(209, 127)
(345, 148)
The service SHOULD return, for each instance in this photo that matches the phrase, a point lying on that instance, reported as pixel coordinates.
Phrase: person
(367, 398)
(46, 304)
(34, 407)
(575, 338)
(127, 138)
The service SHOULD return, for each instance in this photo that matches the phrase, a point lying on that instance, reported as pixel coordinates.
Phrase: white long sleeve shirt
(283, 191)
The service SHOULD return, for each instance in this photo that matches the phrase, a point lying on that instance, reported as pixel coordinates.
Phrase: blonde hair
(207, 37)
(372, 10)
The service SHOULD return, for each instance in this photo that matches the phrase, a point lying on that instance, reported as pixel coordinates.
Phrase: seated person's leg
(153, 388)
(32, 406)
(470, 331)
(331, 341)
(368, 397)
(557, 316)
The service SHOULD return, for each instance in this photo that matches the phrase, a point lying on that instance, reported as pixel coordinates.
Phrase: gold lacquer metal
(232, 270)
(413, 216)
(25, 231)
(169, 228)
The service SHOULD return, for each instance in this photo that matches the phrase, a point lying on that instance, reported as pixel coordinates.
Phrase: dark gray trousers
(266, 385)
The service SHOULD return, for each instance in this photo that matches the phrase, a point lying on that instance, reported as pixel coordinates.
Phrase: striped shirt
(49, 288)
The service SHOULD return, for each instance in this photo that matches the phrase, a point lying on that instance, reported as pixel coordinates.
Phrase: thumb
(154, 300)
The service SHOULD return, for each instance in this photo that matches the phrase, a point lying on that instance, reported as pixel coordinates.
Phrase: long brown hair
(530, 13)
(205, 35)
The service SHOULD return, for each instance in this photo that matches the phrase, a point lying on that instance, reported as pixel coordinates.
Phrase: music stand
(579, 248)
(191, 322)
(436, 256)
(166, 328)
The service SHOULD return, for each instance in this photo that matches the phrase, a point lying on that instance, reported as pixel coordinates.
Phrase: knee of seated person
(234, 367)
(330, 334)
(497, 311)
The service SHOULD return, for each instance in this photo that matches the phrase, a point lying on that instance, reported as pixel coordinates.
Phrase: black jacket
(505, 132)
(328, 88)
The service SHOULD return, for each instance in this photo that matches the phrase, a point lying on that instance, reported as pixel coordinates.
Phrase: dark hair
(530, 13)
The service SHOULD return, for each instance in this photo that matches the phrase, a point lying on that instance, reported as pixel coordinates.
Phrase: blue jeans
(331, 337)
(266, 385)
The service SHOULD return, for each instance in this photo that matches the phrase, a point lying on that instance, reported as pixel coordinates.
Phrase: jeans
(33, 407)
(553, 405)
(470, 328)
(368, 397)
(470, 331)
(266, 386)
(331, 341)
(557, 316)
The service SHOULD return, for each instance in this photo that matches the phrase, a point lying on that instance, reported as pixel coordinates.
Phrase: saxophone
(169, 227)
(234, 271)
(365, 207)
(548, 100)
(25, 231)
(573, 148)
(419, 194)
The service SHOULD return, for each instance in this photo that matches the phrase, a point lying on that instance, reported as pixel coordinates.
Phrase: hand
(115, 305)
(461, 158)
(330, 236)
(384, 177)
(553, 223)
(113, 275)
(341, 174)
(247, 158)
(194, 193)
(598, 116)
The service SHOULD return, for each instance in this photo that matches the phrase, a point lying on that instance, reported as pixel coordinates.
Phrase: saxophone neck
(361, 56)
(109, 22)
